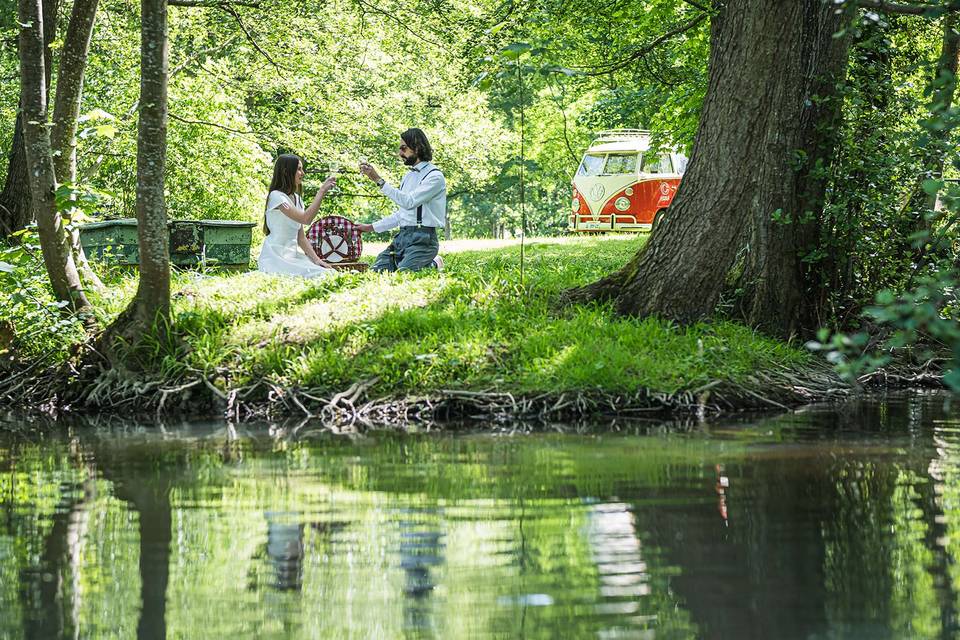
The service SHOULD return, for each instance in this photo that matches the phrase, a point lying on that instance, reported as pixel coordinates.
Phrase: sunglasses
(403, 147)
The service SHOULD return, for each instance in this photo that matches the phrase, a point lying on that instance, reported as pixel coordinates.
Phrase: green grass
(472, 327)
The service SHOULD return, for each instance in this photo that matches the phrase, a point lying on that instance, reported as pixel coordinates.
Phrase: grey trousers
(411, 250)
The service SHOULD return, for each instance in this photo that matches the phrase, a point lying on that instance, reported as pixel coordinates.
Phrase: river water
(831, 522)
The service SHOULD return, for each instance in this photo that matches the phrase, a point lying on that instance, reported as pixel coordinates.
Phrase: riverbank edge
(64, 390)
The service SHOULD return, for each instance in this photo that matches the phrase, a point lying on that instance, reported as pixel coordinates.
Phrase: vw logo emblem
(665, 188)
(597, 191)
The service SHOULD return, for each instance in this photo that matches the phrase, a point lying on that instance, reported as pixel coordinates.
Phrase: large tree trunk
(746, 211)
(15, 210)
(54, 242)
(150, 309)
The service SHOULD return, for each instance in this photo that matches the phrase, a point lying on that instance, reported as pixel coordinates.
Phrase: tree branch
(213, 124)
(611, 67)
(566, 138)
(398, 21)
(900, 8)
(220, 4)
(698, 6)
(250, 38)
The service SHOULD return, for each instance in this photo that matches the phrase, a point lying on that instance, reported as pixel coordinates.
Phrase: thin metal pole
(523, 211)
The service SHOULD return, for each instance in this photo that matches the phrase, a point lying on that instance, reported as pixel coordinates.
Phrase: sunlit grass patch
(474, 326)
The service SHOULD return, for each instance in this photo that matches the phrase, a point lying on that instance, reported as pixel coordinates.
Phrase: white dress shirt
(423, 185)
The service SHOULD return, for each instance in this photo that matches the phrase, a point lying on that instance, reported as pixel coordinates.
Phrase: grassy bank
(472, 332)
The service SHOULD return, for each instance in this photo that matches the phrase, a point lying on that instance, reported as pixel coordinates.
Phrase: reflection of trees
(530, 542)
(420, 550)
(48, 578)
(818, 538)
(145, 486)
(41, 585)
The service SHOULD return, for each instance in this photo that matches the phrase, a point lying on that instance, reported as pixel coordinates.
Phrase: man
(421, 207)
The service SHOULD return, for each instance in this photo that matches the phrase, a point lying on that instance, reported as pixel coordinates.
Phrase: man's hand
(364, 228)
(367, 169)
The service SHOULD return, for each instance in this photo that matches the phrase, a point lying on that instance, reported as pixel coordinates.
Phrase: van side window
(620, 163)
(657, 163)
(680, 162)
(666, 166)
(591, 165)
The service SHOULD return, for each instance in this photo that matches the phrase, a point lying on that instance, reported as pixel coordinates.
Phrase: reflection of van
(621, 185)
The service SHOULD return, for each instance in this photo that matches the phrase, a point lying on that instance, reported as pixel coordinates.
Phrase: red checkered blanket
(335, 239)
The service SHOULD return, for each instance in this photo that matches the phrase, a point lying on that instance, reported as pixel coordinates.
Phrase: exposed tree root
(65, 388)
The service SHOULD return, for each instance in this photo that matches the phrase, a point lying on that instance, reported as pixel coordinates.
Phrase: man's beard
(411, 161)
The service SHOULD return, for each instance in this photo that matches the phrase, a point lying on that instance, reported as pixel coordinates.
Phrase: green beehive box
(112, 241)
(219, 243)
(227, 242)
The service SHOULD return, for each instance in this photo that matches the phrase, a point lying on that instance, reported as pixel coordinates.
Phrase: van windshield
(621, 163)
(591, 165)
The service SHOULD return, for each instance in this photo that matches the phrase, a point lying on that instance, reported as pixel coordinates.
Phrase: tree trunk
(149, 312)
(746, 211)
(54, 242)
(66, 107)
(15, 209)
(66, 111)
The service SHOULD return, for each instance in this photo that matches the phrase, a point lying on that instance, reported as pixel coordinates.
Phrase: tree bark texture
(15, 209)
(66, 111)
(66, 107)
(54, 241)
(153, 293)
(150, 309)
(746, 212)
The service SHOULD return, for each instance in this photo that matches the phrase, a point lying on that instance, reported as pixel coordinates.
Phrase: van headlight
(621, 203)
(576, 205)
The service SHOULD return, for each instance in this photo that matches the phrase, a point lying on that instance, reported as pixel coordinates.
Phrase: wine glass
(334, 171)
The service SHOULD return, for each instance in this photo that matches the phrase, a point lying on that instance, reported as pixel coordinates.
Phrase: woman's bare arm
(306, 216)
(308, 249)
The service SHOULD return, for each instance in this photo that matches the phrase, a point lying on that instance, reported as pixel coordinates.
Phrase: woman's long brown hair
(284, 180)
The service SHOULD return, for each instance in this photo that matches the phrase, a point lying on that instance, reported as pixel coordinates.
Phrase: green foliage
(888, 246)
(917, 326)
(868, 220)
(27, 305)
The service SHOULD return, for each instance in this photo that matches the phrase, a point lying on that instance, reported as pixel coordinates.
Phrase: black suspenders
(420, 206)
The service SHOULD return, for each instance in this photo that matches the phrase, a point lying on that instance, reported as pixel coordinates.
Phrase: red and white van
(621, 185)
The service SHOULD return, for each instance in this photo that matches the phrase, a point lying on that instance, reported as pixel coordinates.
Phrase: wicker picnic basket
(337, 241)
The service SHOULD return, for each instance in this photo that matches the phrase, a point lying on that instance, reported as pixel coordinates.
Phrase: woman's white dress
(280, 252)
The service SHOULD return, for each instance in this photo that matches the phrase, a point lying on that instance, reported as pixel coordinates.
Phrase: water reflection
(833, 522)
(420, 551)
(285, 550)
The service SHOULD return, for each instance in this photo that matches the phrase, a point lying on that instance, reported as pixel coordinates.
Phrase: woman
(283, 223)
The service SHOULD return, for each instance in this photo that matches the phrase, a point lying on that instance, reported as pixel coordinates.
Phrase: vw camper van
(621, 185)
